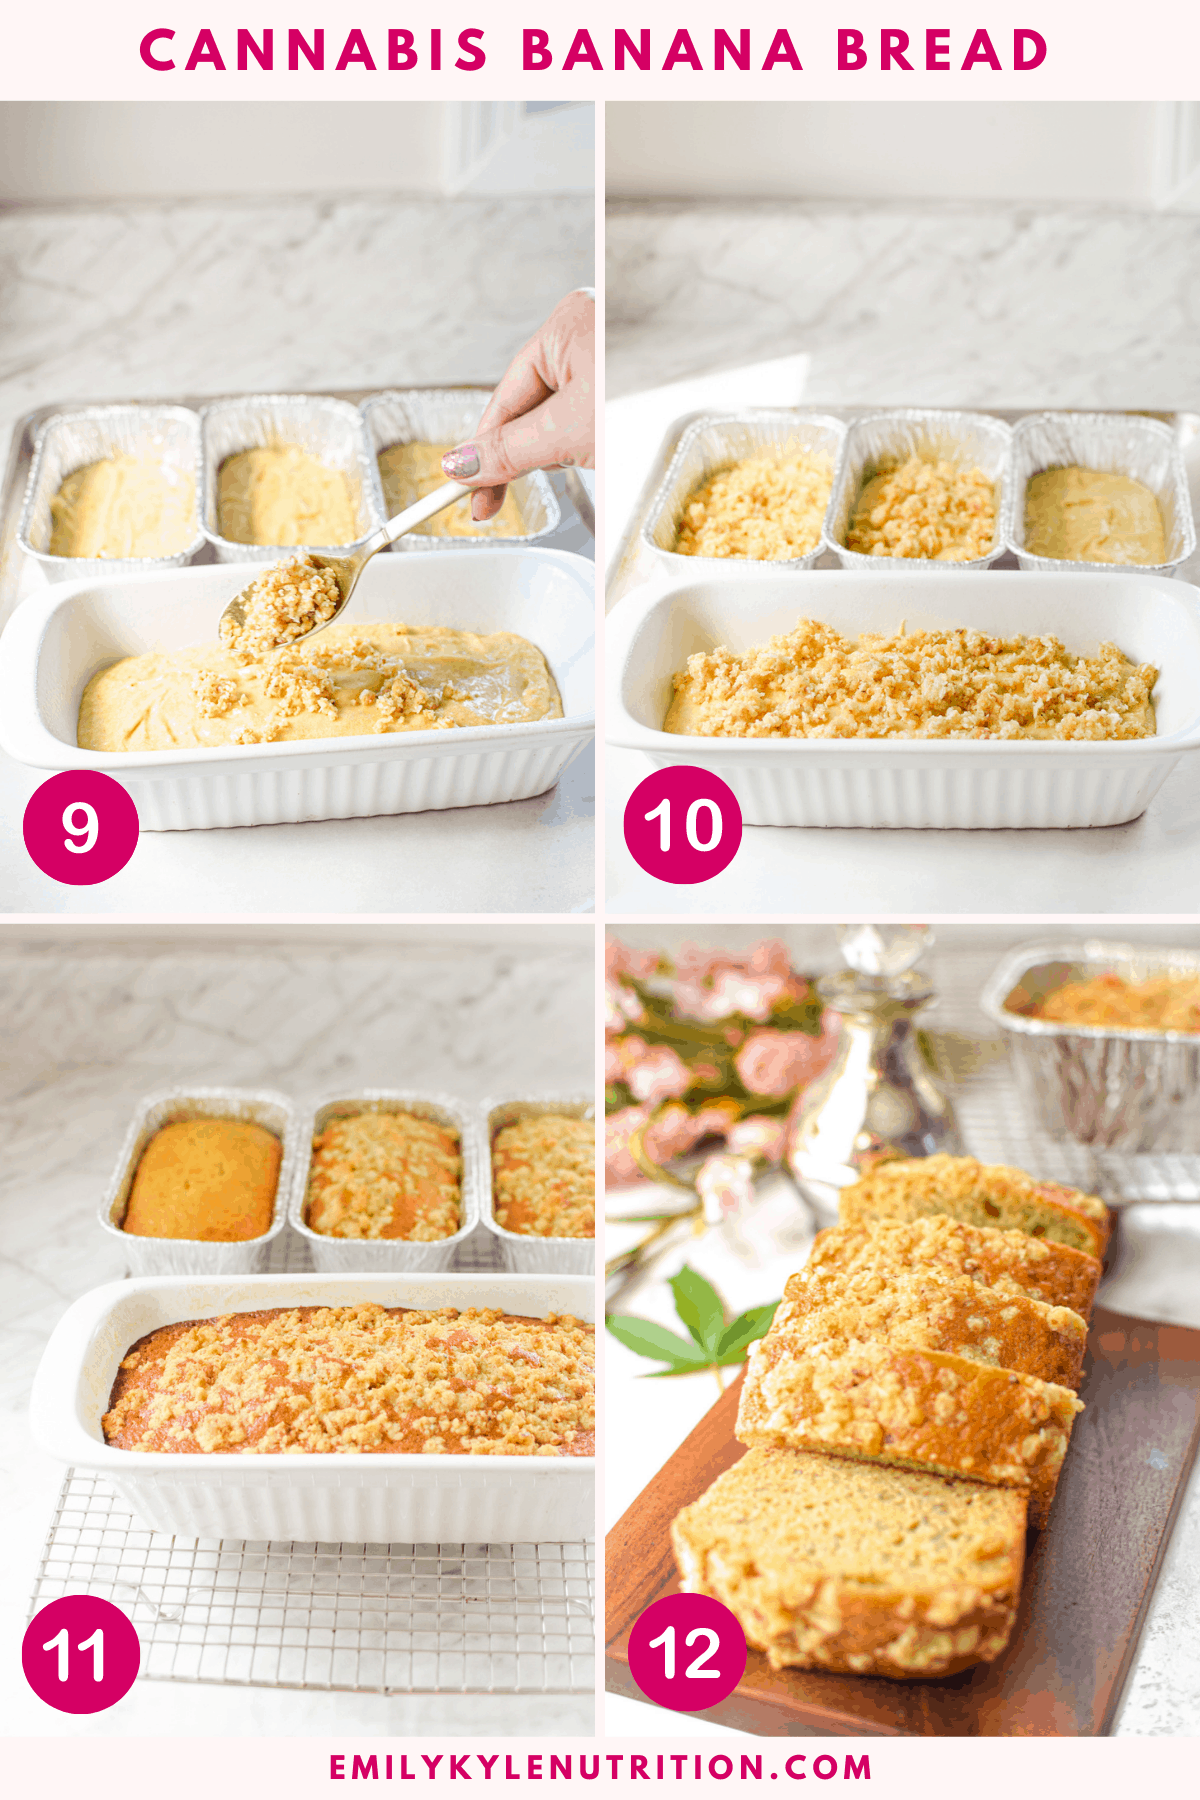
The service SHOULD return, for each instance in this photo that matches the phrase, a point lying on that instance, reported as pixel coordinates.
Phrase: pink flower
(660, 1075)
(618, 1129)
(621, 1007)
(614, 1068)
(619, 959)
(711, 984)
(776, 1062)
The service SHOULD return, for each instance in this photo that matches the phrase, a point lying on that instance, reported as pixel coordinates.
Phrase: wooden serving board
(1088, 1576)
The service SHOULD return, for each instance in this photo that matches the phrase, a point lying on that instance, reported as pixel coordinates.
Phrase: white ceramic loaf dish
(521, 1250)
(333, 1498)
(56, 641)
(914, 783)
(336, 1255)
(190, 1256)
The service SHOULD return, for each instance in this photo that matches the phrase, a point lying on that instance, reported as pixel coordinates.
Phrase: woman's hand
(542, 415)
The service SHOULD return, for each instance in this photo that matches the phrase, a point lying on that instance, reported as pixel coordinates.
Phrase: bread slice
(1008, 1261)
(918, 1409)
(855, 1567)
(927, 1310)
(978, 1194)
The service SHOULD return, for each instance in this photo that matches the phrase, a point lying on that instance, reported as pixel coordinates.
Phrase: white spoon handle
(423, 509)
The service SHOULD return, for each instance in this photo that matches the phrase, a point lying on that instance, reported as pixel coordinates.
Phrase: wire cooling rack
(995, 1125)
(359, 1618)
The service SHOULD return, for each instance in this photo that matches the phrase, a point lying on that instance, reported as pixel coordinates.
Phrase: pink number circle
(81, 827)
(687, 1652)
(683, 824)
(81, 1654)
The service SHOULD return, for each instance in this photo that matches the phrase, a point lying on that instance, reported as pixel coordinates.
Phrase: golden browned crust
(1009, 1261)
(210, 1180)
(979, 1194)
(544, 1176)
(359, 1380)
(385, 1175)
(1162, 1003)
(854, 1567)
(922, 1310)
(916, 1409)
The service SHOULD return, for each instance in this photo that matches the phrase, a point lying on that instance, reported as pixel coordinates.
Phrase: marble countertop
(712, 306)
(1156, 1276)
(95, 1021)
(149, 299)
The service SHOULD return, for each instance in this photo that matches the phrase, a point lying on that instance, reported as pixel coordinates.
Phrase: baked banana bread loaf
(920, 1309)
(855, 1567)
(544, 1176)
(385, 1175)
(916, 1409)
(1008, 1261)
(210, 1180)
(360, 1380)
(978, 1194)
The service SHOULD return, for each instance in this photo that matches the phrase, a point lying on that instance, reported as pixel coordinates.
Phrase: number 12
(695, 1670)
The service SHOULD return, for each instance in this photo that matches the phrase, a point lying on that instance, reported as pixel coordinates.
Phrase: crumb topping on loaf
(544, 1176)
(385, 1175)
(357, 1380)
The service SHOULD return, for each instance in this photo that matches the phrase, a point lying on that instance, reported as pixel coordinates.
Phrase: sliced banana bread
(978, 1194)
(854, 1567)
(1008, 1261)
(923, 1309)
(917, 1409)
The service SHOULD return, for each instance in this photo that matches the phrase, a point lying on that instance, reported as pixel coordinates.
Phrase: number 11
(95, 1644)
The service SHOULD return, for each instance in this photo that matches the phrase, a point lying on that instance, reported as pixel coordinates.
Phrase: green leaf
(736, 1340)
(649, 1339)
(699, 1306)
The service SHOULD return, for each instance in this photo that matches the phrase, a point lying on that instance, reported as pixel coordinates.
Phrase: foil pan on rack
(352, 1256)
(169, 435)
(1110, 1088)
(523, 1251)
(191, 1256)
(449, 416)
(972, 440)
(714, 443)
(330, 430)
(1115, 444)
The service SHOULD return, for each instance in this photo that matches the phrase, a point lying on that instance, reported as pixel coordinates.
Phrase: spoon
(347, 569)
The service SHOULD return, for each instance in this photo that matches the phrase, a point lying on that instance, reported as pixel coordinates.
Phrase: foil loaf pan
(69, 441)
(521, 1250)
(1112, 1089)
(338, 1255)
(449, 416)
(330, 430)
(189, 1256)
(308, 1497)
(714, 443)
(972, 440)
(1115, 443)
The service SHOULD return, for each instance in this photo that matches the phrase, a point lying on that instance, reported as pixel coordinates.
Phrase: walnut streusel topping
(544, 1174)
(385, 1175)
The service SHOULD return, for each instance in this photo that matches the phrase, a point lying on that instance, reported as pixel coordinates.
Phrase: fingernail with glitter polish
(462, 463)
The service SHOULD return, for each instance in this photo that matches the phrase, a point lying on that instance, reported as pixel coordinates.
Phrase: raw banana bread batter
(410, 471)
(812, 682)
(279, 494)
(124, 506)
(1092, 515)
(362, 676)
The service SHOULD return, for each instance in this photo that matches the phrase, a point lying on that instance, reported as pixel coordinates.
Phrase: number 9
(89, 830)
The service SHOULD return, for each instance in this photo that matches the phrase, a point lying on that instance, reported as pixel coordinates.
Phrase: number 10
(662, 813)
(695, 1670)
(95, 1644)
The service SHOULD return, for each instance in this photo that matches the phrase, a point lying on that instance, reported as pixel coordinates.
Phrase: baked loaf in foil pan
(524, 1251)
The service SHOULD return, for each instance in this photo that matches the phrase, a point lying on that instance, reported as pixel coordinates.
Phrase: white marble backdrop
(89, 1028)
(920, 303)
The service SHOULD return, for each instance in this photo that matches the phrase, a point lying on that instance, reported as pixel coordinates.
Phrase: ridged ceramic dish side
(330, 430)
(1116, 1090)
(716, 442)
(971, 440)
(450, 416)
(338, 1255)
(170, 435)
(333, 1498)
(522, 1250)
(914, 783)
(1117, 444)
(190, 1256)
